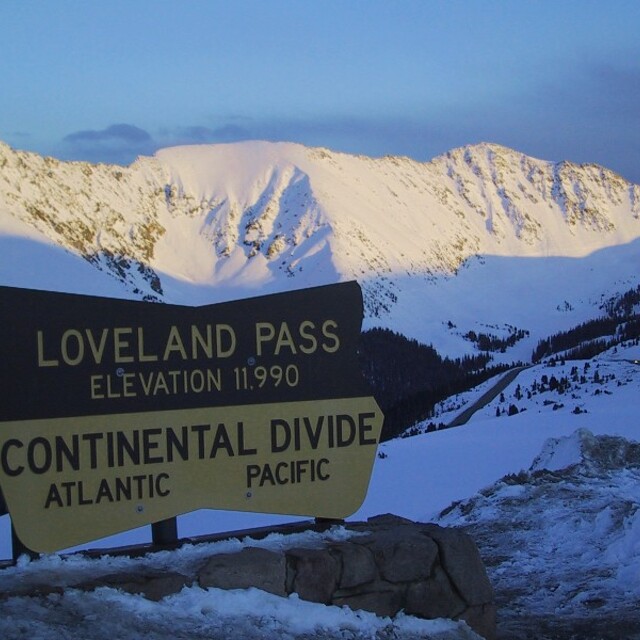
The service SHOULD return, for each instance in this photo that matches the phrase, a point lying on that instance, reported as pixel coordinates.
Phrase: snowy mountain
(482, 238)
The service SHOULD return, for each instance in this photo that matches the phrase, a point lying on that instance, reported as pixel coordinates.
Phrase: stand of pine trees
(409, 378)
(489, 342)
(590, 338)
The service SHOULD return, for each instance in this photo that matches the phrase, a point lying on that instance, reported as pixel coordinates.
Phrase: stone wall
(385, 565)
(391, 565)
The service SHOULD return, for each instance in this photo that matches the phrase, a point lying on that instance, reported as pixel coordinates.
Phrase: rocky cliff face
(109, 215)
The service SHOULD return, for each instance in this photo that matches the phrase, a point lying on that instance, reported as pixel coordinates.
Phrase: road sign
(119, 413)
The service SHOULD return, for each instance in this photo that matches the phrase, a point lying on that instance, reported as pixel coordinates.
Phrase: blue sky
(109, 80)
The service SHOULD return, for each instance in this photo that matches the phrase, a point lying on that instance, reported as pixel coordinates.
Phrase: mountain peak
(211, 222)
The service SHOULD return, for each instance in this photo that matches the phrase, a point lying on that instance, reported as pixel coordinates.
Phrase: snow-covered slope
(482, 236)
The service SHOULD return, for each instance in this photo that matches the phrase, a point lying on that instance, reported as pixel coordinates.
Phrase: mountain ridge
(206, 223)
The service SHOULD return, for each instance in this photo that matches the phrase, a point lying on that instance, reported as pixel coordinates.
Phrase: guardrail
(163, 534)
(162, 542)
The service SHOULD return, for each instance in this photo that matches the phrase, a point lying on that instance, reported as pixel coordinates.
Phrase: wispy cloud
(125, 133)
(123, 143)
(200, 134)
(117, 143)
(588, 114)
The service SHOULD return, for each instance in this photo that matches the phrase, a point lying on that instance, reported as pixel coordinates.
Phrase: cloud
(352, 134)
(358, 134)
(199, 134)
(124, 133)
(122, 143)
(19, 135)
(590, 114)
(118, 143)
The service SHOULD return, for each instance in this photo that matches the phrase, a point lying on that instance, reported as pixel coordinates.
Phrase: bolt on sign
(118, 413)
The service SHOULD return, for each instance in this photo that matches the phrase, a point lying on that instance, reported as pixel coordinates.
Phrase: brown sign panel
(117, 413)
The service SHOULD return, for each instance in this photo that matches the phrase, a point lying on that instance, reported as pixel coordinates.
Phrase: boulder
(251, 567)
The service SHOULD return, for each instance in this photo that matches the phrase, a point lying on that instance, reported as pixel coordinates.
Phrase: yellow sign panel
(118, 414)
(94, 476)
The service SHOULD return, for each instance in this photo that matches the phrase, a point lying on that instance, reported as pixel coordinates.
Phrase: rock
(358, 565)
(434, 598)
(482, 619)
(461, 560)
(314, 574)
(251, 567)
(436, 572)
(153, 585)
(380, 597)
(388, 519)
(403, 555)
